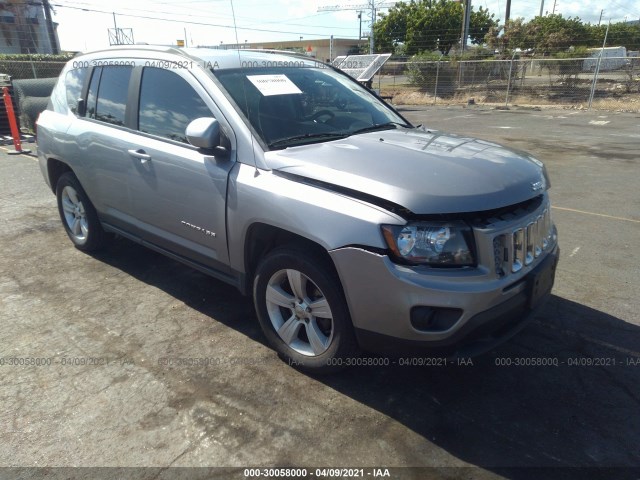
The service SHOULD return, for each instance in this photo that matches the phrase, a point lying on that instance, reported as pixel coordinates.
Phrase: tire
(78, 214)
(312, 332)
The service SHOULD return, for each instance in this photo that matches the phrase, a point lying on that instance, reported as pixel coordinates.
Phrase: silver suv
(282, 176)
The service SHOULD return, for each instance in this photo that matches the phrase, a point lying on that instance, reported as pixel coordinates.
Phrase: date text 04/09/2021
(318, 472)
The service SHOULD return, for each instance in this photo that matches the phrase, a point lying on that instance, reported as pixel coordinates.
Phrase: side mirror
(204, 132)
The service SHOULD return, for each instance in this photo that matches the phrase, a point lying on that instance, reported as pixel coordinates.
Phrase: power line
(217, 15)
(632, 14)
(191, 22)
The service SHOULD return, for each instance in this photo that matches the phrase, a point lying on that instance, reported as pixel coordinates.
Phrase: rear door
(98, 141)
(178, 192)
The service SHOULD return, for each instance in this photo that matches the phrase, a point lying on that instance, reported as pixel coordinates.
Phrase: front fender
(330, 219)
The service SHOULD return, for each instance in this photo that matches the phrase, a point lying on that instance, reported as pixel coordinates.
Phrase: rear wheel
(78, 214)
(302, 311)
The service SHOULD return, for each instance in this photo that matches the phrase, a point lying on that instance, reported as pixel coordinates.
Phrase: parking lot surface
(126, 358)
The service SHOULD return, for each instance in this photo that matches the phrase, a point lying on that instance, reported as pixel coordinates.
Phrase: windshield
(296, 106)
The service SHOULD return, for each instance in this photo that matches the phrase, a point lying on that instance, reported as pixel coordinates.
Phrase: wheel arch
(55, 169)
(262, 238)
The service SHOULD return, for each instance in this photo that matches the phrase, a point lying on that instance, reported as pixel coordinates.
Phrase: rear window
(112, 95)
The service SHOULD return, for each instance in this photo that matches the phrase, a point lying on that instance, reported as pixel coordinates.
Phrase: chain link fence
(558, 82)
(30, 87)
(614, 84)
(19, 70)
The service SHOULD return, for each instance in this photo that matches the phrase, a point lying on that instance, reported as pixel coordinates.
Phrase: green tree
(423, 25)
(391, 29)
(620, 34)
(552, 33)
(509, 37)
(481, 22)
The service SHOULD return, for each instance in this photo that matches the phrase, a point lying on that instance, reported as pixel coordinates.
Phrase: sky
(83, 24)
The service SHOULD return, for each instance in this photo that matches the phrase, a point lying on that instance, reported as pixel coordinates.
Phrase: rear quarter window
(74, 80)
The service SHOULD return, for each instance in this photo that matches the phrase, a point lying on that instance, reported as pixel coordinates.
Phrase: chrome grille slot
(537, 247)
(546, 228)
(518, 250)
(498, 254)
(530, 240)
(522, 245)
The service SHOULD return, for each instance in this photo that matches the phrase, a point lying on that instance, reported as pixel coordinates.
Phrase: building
(325, 49)
(26, 27)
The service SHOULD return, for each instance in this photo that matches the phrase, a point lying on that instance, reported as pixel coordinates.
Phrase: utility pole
(541, 7)
(372, 45)
(122, 36)
(466, 16)
(553, 12)
(50, 30)
(597, 69)
(331, 49)
(372, 6)
(601, 12)
(115, 28)
(507, 14)
(360, 25)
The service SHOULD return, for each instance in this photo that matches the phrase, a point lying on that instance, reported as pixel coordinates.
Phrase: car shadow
(565, 392)
(211, 297)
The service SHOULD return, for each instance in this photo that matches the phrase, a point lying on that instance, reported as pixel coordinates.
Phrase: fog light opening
(434, 319)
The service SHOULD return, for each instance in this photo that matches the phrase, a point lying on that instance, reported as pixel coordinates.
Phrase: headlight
(436, 244)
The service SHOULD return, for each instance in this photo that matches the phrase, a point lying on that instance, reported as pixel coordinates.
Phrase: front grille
(523, 244)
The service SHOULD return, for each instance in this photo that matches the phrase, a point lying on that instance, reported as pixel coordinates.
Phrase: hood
(426, 172)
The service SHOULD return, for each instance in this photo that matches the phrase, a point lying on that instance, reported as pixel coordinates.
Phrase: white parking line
(31, 155)
(469, 115)
(596, 214)
(631, 135)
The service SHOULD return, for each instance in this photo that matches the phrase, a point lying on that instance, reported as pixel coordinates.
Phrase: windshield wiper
(302, 139)
(380, 126)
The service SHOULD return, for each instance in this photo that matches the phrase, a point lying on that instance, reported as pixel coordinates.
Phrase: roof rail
(144, 47)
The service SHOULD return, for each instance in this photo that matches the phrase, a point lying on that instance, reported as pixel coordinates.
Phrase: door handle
(140, 154)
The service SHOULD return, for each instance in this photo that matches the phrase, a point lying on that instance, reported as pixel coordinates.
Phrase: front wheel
(78, 214)
(302, 311)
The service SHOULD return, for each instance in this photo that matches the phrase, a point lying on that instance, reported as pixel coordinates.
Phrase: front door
(178, 193)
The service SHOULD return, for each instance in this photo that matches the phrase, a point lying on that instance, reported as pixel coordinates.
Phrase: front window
(168, 104)
(295, 106)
